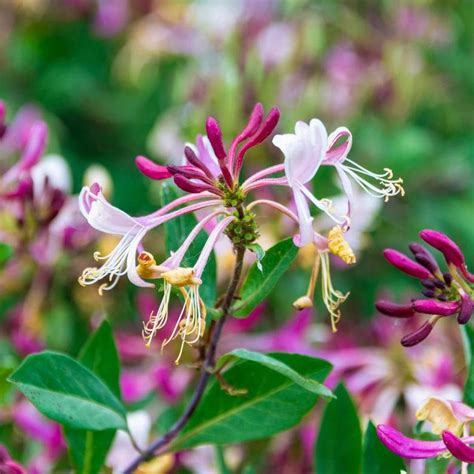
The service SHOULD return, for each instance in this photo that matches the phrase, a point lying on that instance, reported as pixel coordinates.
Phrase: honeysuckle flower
(449, 419)
(309, 148)
(26, 137)
(106, 218)
(7, 464)
(448, 293)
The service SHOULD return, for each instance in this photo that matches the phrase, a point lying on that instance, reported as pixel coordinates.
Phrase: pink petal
(458, 448)
(151, 169)
(408, 447)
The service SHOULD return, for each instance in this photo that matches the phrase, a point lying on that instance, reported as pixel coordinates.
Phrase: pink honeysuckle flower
(211, 174)
(7, 464)
(379, 373)
(106, 218)
(309, 148)
(448, 293)
(111, 16)
(449, 419)
(34, 425)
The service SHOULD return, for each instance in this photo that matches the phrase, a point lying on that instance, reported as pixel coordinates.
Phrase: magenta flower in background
(447, 293)
(7, 465)
(448, 419)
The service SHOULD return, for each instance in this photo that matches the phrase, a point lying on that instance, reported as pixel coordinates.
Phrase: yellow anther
(303, 302)
(147, 267)
(339, 247)
(181, 277)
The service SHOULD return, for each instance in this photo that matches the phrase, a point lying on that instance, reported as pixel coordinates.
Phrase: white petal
(107, 218)
(304, 217)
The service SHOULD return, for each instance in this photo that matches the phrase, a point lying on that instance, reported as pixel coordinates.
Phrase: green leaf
(99, 354)
(6, 251)
(283, 369)
(468, 340)
(176, 232)
(272, 404)
(377, 459)
(338, 447)
(259, 284)
(69, 393)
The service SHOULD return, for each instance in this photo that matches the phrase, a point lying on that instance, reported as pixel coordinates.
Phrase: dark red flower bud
(403, 263)
(151, 169)
(436, 307)
(417, 336)
(452, 253)
(195, 161)
(215, 137)
(394, 310)
(467, 308)
(189, 186)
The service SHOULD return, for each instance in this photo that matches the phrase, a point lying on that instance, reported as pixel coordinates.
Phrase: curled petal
(417, 336)
(452, 253)
(441, 308)
(458, 448)
(467, 308)
(408, 447)
(395, 310)
(151, 169)
(337, 152)
(403, 263)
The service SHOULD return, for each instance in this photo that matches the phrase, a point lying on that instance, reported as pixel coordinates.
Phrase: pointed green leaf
(278, 366)
(377, 459)
(259, 284)
(65, 391)
(99, 354)
(273, 403)
(176, 232)
(338, 447)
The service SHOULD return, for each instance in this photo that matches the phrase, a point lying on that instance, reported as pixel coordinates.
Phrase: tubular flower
(24, 137)
(447, 293)
(210, 177)
(449, 419)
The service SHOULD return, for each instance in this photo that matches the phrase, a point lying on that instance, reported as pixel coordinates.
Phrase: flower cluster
(446, 293)
(210, 176)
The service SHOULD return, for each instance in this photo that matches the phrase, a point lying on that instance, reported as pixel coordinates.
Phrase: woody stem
(209, 362)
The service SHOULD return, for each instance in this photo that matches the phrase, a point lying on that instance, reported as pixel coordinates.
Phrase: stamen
(306, 301)
(158, 320)
(339, 246)
(332, 298)
(389, 187)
